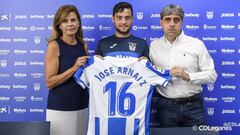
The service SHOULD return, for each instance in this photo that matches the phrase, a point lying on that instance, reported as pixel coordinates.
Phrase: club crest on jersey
(132, 46)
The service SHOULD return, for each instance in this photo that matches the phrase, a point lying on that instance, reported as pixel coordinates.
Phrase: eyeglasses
(175, 20)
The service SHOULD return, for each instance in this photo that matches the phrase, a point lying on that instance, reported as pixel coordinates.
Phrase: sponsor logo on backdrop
(37, 75)
(5, 28)
(36, 16)
(36, 63)
(5, 17)
(239, 26)
(227, 63)
(4, 75)
(35, 28)
(227, 15)
(227, 39)
(228, 75)
(192, 27)
(228, 111)
(210, 111)
(20, 75)
(210, 99)
(20, 52)
(3, 63)
(238, 50)
(20, 63)
(228, 99)
(37, 51)
(155, 16)
(4, 109)
(135, 27)
(153, 38)
(88, 28)
(227, 27)
(156, 27)
(192, 15)
(19, 98)
(239, 14)
(213, 51)
(37, 39)
(4, 52)
(20, 17)
(101, 27)
(19, 86)
(20, 28)
(232, 87)
(20, 40)
(105, 16)
(19, 110)
(36, 110)
(5, 87)
(209, 27)
(4, 99)
(210, 86)
(50, 16)
(210, 39)
(50, 28)
(36, 86)
(36, 99)
(228, 51)
(89, 39)
(88, 16)
(209, 14)
(7, 40)
(139, 15)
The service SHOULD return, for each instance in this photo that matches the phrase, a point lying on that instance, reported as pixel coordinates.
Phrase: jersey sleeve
(157, 75)
(81, 76)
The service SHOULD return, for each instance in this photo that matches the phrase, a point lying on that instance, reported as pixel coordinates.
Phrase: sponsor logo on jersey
(132, 46)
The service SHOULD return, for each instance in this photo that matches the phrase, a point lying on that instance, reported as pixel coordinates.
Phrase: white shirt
(120, 91)
(189, 53)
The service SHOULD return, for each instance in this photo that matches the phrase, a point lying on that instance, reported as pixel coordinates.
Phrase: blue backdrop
(25, 25)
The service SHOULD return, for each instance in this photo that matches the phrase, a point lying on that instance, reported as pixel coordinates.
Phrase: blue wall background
(25, 25)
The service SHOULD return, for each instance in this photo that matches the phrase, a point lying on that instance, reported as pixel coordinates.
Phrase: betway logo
(36, 63)
(227, 39)
(36, 110)
(228, 99)
(228, 75)
(192, 15)
(233, 87)
(19, 86)
(227, 63)
(210, 39)
(50, 16)
(227, 27)
(228, 51)
(210, 99)
(227, 15)
(104, 16)
(37, 16)
(89, 39)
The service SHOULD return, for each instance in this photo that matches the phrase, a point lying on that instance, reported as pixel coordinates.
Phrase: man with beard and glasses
(190, 65)
(122, 44)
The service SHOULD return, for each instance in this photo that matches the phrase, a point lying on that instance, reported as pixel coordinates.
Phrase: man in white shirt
(190, 65)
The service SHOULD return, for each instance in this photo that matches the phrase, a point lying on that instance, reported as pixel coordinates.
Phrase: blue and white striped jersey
(120, 91)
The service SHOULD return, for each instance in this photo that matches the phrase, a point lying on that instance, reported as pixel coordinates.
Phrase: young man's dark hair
(119, 7)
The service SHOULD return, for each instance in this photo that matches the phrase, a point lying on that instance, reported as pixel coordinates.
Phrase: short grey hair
(172, 10)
